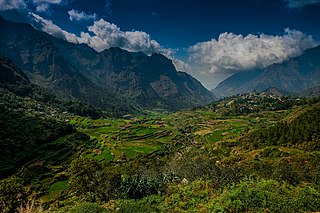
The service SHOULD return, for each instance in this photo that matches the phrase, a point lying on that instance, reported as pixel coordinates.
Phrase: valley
(193, 160)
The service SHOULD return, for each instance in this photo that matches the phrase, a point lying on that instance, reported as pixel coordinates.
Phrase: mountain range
(103, 79)
(122, 82)
(293, 76)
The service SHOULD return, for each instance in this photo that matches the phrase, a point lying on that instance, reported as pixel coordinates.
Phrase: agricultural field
(115, 139)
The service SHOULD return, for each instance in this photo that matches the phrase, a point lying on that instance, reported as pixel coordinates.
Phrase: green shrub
(12, 194)
(189, 197)
(147, 204)
(89, 179)
(266, 195)
(136, 187)
(88, 208)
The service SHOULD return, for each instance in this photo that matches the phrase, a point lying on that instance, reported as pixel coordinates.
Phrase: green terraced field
(116, 139)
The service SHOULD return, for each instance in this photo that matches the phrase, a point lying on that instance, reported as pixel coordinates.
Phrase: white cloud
(300, 3)
(179, 64)
(43, 5)
(238, 52)
(42, 8)
(12, 4)
(47, 1)
(232, 53)
(52, 29)
(108, 35)
(105, 35)
(75, 15)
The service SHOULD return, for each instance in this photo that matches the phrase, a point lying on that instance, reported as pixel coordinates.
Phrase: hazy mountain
(76, 70)
(230, 86)
(295, 75)
(278, 92)
(312, 92)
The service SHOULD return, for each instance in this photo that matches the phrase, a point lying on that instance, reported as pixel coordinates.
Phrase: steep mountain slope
(76, 70)
(230, 85)
(10, 74)
(295, 75)
(153, 77)
(137, 76)
(36, 55)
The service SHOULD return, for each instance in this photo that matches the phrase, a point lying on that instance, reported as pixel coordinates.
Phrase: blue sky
(210, 39)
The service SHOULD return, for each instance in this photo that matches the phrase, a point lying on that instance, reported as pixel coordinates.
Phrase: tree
(12, 194)
(91, 180)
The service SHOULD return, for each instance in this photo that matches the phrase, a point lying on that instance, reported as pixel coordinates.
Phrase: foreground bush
(88, 207)
(267, 195)
(12, 194)
(189, 197)
(151, 203)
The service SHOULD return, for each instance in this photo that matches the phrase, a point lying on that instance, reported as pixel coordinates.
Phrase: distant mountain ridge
(294, 75)
(77, 71)
(309, 93)
(278, 92)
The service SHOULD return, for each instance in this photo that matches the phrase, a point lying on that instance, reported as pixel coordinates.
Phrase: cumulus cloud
(75, 15)
(108, 35)
(46, 1)
(12, 4)
(179, 64)
(105, 35)
(233, 52)
(43, 5)
(293, 4)
(52, 29)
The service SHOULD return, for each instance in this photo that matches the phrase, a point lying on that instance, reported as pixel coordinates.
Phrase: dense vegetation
(301, 131)
(249, 153)
(47, 99)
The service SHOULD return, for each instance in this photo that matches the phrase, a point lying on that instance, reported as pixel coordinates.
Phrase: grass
(54, 190)
(58, 186)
